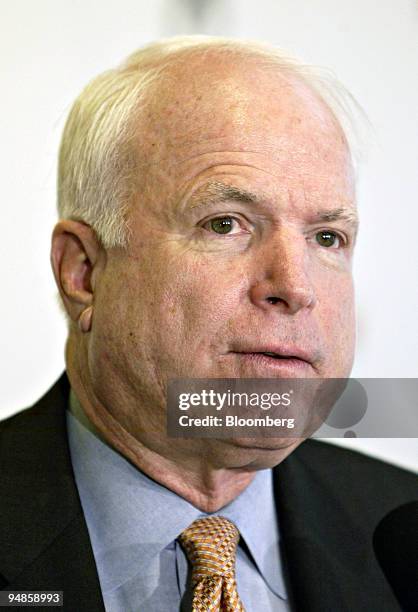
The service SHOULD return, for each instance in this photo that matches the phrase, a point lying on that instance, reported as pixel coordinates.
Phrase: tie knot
(210, 544)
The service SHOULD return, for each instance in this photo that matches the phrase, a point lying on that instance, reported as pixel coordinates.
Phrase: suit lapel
(326, 541)
(67, 565)
(44, 542)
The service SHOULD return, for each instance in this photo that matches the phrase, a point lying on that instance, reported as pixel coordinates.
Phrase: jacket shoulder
(363, 481)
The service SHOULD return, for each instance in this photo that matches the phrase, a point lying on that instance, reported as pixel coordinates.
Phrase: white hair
(98, 161)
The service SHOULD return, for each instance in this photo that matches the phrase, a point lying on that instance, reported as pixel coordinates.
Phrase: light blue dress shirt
(133, 523)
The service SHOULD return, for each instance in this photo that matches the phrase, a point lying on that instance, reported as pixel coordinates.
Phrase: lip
(286, 367)
(292, 361)
(284, 352)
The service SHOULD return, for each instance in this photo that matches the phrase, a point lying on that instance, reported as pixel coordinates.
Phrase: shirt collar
(131, 518)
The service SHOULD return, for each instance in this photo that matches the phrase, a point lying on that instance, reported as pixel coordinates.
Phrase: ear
(75, 254)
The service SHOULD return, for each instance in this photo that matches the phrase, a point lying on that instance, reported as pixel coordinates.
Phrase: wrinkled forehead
(248, 122)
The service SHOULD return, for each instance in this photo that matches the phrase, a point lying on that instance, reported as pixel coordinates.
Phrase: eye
(221, 225)
(328, 239)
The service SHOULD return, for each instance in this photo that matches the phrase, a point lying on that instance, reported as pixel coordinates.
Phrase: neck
(207, 473)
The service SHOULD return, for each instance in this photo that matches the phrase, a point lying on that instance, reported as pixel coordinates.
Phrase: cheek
(198, 300)
(335, 294)
(337, 317)
(114, 318)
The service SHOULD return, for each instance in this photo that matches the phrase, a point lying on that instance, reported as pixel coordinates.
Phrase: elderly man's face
(242, 237)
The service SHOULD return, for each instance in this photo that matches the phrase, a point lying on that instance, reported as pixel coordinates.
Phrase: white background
(51, 48)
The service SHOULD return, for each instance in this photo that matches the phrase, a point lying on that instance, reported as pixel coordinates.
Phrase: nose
(286, 283)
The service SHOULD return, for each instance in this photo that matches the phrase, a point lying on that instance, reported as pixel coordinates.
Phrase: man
(208, 217)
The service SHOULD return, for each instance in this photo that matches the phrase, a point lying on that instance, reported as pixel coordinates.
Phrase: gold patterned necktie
(210, 544)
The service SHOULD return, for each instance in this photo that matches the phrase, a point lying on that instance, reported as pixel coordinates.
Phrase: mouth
(292, 361)
(272, 357)
(275, 355)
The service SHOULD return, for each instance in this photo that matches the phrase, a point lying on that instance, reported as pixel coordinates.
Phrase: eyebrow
(338, 214)
(216, 192)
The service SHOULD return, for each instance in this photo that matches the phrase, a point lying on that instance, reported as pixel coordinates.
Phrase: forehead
(242, 114)
(215, 96)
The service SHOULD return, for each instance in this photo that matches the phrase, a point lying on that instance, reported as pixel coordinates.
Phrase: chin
(265, 453)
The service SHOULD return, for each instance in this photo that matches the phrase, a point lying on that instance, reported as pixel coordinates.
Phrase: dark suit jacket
(329, 501)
